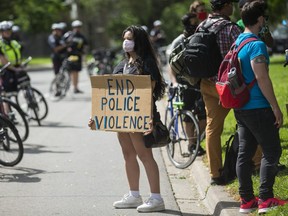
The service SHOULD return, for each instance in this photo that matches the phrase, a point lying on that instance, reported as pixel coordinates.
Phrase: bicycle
(102, 62)
(177, 118)
(61, 82)
(31, 100)
(11, 146)
(12, 111)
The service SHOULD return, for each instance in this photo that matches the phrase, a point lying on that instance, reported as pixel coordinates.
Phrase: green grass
(279, 77)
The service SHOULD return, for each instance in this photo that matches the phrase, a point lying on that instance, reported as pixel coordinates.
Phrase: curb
(217, 200)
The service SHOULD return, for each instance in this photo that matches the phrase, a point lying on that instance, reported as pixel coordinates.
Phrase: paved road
(69, 170)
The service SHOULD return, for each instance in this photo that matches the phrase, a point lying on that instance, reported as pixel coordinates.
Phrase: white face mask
(128, 45)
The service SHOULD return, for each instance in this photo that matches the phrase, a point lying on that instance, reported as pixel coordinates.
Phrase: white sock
(134, 193)
(156, 196)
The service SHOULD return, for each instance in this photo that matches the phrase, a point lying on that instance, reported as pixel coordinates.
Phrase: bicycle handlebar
(4, 67)
(25, 63)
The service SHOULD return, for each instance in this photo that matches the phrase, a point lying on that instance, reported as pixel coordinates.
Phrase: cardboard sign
(121, 102)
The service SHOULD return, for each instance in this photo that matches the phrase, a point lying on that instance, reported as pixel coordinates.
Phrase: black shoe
(217, 181)
(57, 94)
(200, 152)
(281, 167)
(77, 91)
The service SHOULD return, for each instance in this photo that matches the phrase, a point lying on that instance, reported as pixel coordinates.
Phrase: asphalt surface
(69, 170)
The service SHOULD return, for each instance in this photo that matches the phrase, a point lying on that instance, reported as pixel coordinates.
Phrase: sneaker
(151, 205)
(200, 152)
(269, 204)
(128, 201)
(77, 91)
(248, 207)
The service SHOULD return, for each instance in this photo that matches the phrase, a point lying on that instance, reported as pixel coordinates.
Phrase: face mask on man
(190, 29)
(128, 45)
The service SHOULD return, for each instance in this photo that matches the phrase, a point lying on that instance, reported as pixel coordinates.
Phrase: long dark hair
(144, 49)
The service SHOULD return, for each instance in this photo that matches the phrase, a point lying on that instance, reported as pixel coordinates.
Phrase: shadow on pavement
(224, 205)
(55, 124)
(20, 174)
(38, 149)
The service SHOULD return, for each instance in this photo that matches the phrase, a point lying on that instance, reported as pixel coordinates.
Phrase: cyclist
(76, 44)
(57, 46)
(190, 96)
(10, 51)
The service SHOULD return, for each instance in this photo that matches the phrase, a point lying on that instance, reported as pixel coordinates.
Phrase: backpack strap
(209, 22)
(241, 45)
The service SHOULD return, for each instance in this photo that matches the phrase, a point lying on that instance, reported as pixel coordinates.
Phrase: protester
(190, 96)
(140, 60)
(77, 43)
(260, 119)
(199, 8)
(216, 114)
(264, 34)
(266, 37)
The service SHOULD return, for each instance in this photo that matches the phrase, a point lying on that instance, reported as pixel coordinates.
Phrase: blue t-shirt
(249, 52)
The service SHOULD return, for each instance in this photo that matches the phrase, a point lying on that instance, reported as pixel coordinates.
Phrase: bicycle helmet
(55, 26)
(15, 28)
(157, 23)
(76, 23)
(6, 25)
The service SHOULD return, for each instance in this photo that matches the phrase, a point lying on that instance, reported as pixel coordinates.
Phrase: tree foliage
(105, 20)
(33, 15)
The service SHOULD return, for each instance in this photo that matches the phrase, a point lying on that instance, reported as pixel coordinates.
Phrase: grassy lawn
(279, 76)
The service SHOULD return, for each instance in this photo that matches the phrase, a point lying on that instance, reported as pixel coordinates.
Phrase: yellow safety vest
(11, 51)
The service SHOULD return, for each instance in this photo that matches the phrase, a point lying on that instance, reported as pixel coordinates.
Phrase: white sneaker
(151, 205)
(128, 201)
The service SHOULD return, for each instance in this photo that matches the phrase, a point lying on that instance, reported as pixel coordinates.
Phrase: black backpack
(202, 54)
(228, 172)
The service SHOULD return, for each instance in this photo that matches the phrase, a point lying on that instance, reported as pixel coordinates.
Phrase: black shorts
(9, 81)
(75, 65)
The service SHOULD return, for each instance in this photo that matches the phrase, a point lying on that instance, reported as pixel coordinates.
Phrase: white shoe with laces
(151, 205)
(128, 201)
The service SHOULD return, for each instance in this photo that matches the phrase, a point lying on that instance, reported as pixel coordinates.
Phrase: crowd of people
(258, 121)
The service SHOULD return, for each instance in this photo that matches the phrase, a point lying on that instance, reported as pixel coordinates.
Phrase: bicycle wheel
(178, 149)
(11, 153)
(60, 84)
(18, 118)
(33, 103)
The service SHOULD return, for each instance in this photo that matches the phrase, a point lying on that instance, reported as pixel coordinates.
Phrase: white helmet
(157, 23)
(76, 23)
(63, 25)
(6, 25)
(15, 28)
(55, 26)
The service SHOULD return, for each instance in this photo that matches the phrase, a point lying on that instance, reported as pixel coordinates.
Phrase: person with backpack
(260, 119)
(216, 114)
(266, 36)
(190, 96)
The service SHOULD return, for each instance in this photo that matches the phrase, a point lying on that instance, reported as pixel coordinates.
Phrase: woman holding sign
(140, 60)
